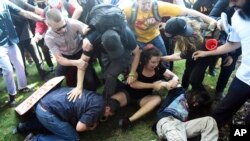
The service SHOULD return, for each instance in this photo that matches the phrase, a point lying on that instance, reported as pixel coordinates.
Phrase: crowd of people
(135, 50)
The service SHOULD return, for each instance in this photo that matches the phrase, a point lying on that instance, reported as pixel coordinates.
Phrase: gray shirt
(68, 43)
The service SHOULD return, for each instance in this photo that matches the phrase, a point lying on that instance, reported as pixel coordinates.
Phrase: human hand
(74, 94)
(212, 25)
(81, 64)
(157, 85)
(93, 127)
(228, 61)
(173, 83)
(86, 30)
(132, 77)
(86, 45)
(199, 54)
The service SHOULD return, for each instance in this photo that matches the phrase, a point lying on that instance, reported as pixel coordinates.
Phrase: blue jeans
(63, 131)
(12, 55)
(157, 42)
(238, 94)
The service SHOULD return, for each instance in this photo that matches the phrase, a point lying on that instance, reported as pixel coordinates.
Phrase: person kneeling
(64, 119)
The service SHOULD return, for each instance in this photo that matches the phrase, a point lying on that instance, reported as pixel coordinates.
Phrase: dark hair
(113, 104)
(148, 51)
(199, 103)
(245, 10)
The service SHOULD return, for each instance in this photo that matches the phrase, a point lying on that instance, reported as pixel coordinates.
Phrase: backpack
(87, 6)
(134, 11)
(208, 4)
(106, 16)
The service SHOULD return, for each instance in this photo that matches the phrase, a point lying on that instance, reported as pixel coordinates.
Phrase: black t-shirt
(140, 93)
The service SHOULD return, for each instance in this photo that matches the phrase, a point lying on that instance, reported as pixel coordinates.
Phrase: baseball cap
(112, 44)
(178, 26)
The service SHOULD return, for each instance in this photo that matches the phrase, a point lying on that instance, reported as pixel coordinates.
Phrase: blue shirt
(7, 31)
(89, 109)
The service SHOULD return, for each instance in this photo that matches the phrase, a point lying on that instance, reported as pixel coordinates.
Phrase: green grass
(107, 131)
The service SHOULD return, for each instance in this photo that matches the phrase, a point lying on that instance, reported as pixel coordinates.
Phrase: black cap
(112, 44)
(178, 26)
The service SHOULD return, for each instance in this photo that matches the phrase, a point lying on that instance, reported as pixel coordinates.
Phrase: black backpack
(87, 6)
(106, 16)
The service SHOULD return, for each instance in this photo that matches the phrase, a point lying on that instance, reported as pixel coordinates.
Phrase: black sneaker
(11, 101)
(25, 90)
(125, 123)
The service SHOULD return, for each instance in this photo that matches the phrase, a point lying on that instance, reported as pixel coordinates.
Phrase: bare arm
(30, 15)
(141, 85)
(67, 62)
(77, 91)
(78, 9)
(173, 57)
(81, 127)
(191, 12)
(226, 48)
(38, 11)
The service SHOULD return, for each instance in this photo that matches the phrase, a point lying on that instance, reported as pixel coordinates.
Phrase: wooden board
(37, 95)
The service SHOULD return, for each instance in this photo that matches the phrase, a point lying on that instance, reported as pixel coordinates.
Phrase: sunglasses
(60, 28)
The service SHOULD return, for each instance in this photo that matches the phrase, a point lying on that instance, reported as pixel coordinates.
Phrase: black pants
(195, 71)
(111, 70)
(46, 53)
(238, 94)
(31, 47)
(226, 72)
(91, 80)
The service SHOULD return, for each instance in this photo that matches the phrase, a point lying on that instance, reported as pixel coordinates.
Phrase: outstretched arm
(30, 15)
(77, 91)
(226, 48)
(173, 57)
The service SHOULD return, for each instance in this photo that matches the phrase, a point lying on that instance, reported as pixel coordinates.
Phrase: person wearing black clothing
(25, 35)
(151, 75)
(188, 40)
(113, 50)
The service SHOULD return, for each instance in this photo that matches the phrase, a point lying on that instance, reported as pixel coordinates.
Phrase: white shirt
(241, 33)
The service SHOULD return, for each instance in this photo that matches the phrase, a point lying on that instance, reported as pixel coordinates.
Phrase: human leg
(171, 129)
(121, 98)
(114, 68)
(63, 131)
(147, 104)
(16, 59)
(224, 76)
(159, 43)
(237, 95)
(7, 71)
(205, 126)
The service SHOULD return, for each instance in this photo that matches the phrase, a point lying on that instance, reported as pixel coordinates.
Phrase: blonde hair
(190, 44)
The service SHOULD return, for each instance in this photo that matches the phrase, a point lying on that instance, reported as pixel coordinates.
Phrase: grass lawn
(107, 131)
